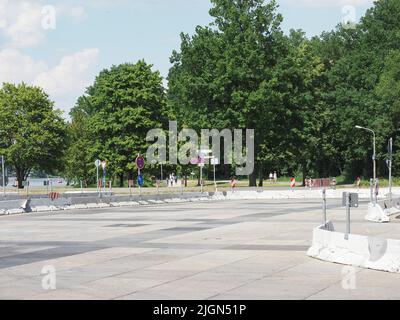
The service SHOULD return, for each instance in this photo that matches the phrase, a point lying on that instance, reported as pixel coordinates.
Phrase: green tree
(125, 102)
(78, 159)
(32, 132)
(220, 77)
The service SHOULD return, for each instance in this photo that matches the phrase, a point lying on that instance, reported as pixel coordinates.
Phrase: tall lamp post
(373, 156)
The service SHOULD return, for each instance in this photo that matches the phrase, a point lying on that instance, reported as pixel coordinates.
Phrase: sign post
(4, 176)
(202, 155)
(97, 164)
(103, 165)
(350, 200)
(140, 163)
(324, 205)
(390, 161)
(215, 162)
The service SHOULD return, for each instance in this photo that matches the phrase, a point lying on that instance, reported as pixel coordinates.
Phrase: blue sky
(62, 45)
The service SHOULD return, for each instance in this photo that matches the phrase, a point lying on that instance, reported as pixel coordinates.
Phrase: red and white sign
(54, 196)
(292, 182)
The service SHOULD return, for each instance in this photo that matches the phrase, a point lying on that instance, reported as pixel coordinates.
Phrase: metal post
(215, 180)
(374, 159)
(161, 172)
(97, 179)
(390, 171)
(140, 187)
(324, 205)
(371, 185)
(81, 187)
(347, 215)
(201, 178)
(4, 176)
(373, 156)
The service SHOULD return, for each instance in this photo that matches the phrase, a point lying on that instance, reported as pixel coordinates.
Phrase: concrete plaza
(208, 250)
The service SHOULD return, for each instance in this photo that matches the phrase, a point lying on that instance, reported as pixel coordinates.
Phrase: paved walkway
(219, 250)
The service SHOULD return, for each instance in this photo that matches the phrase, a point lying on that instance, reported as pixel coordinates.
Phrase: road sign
(292, 182)
(103, 164)
(97, 163)
(215, 161)
(140, 162)
(353, 199)
(140, 180)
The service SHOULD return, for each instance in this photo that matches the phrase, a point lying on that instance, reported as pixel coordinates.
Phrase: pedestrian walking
(358, 183)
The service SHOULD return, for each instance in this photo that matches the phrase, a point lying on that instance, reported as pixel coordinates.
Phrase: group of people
(273, 177)
(172, 180)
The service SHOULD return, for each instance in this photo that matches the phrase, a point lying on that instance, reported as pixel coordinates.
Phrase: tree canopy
(32, 132)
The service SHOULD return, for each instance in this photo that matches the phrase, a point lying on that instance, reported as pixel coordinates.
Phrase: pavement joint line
(259, 279)
(145, 268)
(189, 276)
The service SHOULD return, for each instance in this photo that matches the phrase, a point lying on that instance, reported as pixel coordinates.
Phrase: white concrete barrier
(376, 213)
(357, 250)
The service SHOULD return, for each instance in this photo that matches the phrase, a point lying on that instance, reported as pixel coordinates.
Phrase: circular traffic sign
(97, 163)
(140, 162)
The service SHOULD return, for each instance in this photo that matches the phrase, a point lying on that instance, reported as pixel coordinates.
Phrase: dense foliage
(303, 97)
(32, 132)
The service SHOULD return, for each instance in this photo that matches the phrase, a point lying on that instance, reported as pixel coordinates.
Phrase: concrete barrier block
(93, 205)
(15, 211)
(81, 206)
(376, 214)
(357, 250)
(41, 209)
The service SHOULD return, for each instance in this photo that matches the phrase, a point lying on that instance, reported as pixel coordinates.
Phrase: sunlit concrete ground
(213, 250)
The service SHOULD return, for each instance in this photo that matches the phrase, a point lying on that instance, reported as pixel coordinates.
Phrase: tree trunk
(253, 178)
(304, 169)
(261, 176)
(121, 181)
(20, 177)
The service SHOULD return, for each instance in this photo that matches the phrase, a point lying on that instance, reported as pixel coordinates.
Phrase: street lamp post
(373, 156)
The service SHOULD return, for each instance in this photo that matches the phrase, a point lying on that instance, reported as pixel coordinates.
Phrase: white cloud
(21, 22)
(68, 80)
(17, 67)
(329, 3)
(64, 82)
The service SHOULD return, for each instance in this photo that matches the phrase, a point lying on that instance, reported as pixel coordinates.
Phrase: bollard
(324, 206)
(348, 195)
